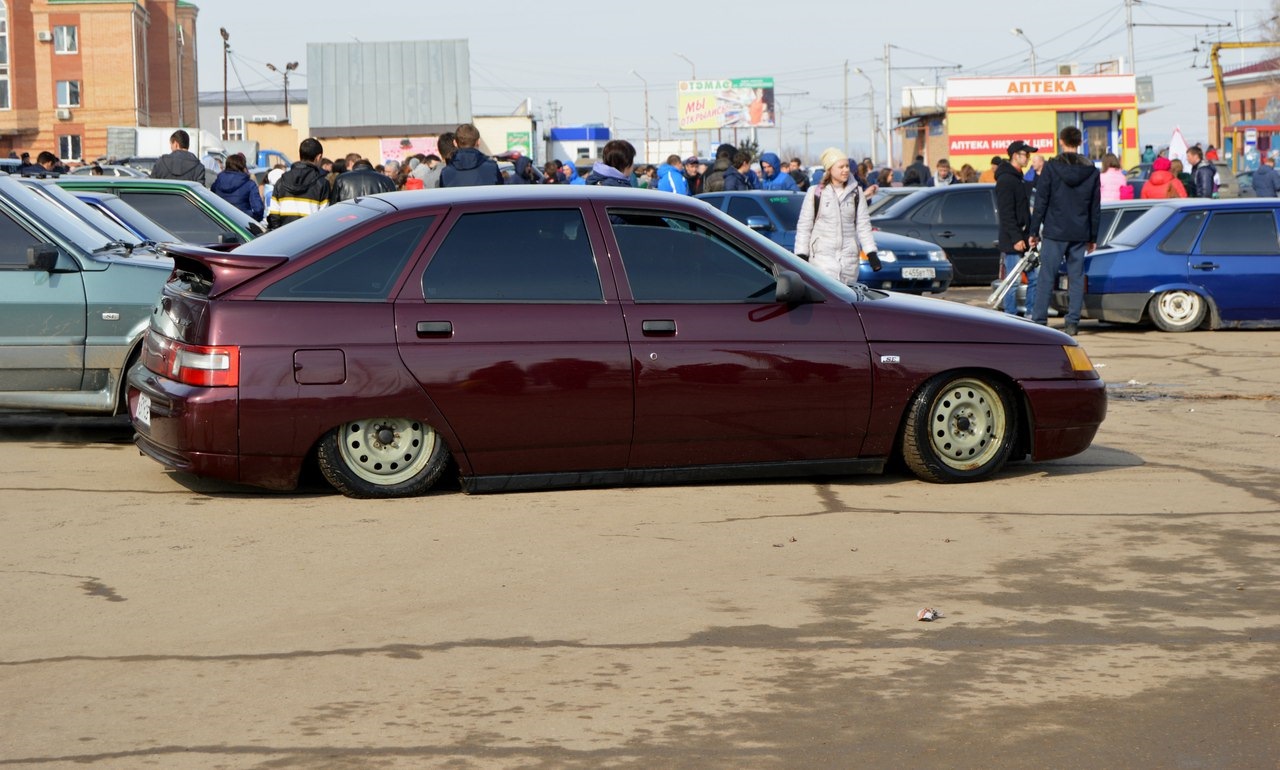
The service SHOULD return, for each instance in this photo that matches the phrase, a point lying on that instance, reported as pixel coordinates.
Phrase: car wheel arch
(1212, 314)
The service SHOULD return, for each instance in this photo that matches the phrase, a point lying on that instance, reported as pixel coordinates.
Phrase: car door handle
(435, 328)
(946, 233)
(658, 327)
(1206, 266)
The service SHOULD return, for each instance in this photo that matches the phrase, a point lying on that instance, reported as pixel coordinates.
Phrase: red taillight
(201, 365)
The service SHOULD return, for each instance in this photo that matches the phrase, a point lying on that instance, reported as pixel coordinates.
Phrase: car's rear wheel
(959, 428)
(1180, 310)
(383, 457)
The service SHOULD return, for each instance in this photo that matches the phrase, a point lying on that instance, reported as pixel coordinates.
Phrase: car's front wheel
(1180, 310)
(383, 457)
(959, 427)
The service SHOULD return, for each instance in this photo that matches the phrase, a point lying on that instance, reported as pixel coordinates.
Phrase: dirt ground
(1116, 609)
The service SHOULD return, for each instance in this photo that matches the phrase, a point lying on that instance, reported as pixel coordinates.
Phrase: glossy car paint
(1122, 279)
(933, 214)
(554, 394)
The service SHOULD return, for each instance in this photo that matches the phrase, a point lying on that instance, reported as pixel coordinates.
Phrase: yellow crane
(1224, 114)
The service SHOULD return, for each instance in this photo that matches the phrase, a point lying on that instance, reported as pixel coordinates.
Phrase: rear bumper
(1066, 415)
(191, 429)
(1114, 308)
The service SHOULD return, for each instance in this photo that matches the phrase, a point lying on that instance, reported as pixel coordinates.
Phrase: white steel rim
(966, 423)
(1179, 307)
(386, 450)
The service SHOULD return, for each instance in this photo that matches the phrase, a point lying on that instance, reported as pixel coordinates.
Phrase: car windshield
(73, 233)
(1143, 227)
(888, 203)
(899, 203)
(786, 207)
(133, 219)
(324, 225)
(96, 219)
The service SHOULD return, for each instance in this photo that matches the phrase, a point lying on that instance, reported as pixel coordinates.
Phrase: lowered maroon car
(559, 336)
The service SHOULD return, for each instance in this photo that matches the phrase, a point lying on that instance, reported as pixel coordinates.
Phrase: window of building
(69, 147)
(66, 39)
(4, 56)
(68, 93)
(232, 128)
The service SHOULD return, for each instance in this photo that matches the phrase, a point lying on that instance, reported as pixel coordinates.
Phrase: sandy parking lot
(1116, 609)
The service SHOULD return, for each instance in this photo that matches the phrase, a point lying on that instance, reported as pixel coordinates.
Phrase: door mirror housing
(42, 257)
(759, 223)
(791, 288)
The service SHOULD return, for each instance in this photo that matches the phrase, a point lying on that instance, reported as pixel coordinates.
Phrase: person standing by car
(692, 174)
(469, 167)
(180, 163)
(1162, 183)
(302, 190)
(944, 176)
(796, 170)
(1112, 181)
(772, 175)
(917, 174)
(1203, 174)
(735, 177)
(834, 229)
(619, 156)
(671, 176)
(1266, 180)
(1014, 208)
(235, 186)
(1068, 205)
(360, 181)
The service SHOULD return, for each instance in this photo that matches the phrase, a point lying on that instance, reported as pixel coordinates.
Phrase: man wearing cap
(693, 174)
(1013, 206)
(1069, 206)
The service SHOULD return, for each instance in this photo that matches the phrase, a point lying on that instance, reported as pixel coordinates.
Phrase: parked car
(187, 209)
(115, 209)
(1189, 263)
(908, 264)
(71, 205)
(886, 197)
(109, 169)
(961, 218)
(577, 335)
(74, 304)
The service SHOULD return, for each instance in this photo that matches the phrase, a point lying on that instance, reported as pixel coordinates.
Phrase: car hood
(894, 317)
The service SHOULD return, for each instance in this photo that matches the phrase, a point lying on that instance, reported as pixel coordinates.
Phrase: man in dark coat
(1014, 208)
(917, 174)
(469, 167)
(181, 163)
(302, 190)
(1069, 206)
(360, 181)
(713, 180)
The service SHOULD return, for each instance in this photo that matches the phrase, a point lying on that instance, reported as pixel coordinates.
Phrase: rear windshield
(1143, 227)
(324, 225)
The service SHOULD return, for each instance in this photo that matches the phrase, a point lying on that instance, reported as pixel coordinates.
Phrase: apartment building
(70, 68)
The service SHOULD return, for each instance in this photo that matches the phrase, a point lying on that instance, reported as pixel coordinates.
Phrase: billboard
(740, 103)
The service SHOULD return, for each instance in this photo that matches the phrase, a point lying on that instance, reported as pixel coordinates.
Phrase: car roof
(521, 194)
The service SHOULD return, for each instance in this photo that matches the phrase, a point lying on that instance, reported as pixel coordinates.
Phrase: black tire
(959, 427)
(382, 457)
(1180, 310)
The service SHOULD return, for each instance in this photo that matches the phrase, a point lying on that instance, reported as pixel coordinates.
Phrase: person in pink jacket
(1112, 179)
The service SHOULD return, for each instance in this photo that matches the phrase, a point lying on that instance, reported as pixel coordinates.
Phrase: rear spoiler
(218, 272)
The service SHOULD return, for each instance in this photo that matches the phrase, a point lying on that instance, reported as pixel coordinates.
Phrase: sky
(587, 62)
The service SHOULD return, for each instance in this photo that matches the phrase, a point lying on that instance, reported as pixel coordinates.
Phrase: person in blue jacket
(671, 176)
(234, 185)
(772, 177)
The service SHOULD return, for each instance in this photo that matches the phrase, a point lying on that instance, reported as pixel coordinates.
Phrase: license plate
(142, 411)
(917, 272)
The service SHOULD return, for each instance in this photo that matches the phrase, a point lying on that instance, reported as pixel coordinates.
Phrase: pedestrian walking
(834, 229)
(1203, 174)
(1013, 206)
(917, 174)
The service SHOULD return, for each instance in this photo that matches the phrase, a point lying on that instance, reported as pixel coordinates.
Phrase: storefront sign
(745, 102)
(997, 144)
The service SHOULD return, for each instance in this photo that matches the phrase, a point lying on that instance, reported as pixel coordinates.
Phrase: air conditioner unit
(64, 114)
(44, 36)
(1069, 69)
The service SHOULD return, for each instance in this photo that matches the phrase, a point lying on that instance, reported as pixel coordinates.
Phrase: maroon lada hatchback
(560, 336)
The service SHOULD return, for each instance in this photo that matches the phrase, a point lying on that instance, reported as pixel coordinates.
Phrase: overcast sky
(555, 53)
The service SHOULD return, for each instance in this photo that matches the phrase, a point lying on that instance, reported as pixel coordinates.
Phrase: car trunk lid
(212, 272)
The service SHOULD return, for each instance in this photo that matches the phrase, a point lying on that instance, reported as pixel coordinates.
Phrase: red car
(563, 336)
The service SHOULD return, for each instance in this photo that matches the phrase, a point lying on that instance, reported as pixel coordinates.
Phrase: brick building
(1253, 103)
(70, 68)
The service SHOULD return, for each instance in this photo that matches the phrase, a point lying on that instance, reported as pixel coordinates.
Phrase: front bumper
(1066, 415)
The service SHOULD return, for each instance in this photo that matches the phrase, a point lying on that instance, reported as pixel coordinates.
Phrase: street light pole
(290, 67)
(646, 114)
(608, 100)
(871, 87)
(693, 75)
(1017, 32)
(226, 111)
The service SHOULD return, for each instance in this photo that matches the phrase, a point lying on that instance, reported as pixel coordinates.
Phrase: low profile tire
(383, 457)
(959, 428)
(1179, 310)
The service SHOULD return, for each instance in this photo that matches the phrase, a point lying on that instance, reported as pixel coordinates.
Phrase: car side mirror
(227, 238)
(759, 223)
(42, 257)
(791, 288)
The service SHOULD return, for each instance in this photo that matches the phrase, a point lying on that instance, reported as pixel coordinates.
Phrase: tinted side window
(515, 256)
(1183, 237)
(14, 241)
(928, 212)
(740, 208)
(1104, 224)
(177, 214)
(972, 207)
(675, 260)
(1241, 232)
(1127, 217)
(364, 270)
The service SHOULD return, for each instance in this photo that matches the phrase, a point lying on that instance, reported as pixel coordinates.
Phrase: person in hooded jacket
(302, 190)
(1013, 205)
(1162, 183)
(713, 179)
(571, 175)
(614, 168)
(1068, 205)
(834, 229)
(235, 186)
(671, 176)
(521, 170)
(469, 167)
(772, 175)
(181, 163)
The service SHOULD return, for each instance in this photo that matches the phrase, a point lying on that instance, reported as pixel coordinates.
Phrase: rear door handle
(1206, 266)
(946, 233)
(658, 327)
(435, 328)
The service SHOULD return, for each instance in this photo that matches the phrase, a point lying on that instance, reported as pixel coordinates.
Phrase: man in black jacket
(1069, 206)
(468, 166)
(302, 190)
(181, 163)
(359, 181)
(1014, 207)
(917, 174)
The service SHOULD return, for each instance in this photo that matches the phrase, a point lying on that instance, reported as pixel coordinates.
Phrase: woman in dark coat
(235, 186)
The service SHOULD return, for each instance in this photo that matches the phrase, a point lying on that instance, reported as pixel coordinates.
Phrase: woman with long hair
(834, 230)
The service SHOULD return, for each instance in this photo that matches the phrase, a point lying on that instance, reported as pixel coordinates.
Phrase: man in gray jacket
(181, 163)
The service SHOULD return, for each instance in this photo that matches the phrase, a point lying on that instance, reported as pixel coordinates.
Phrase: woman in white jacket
(835, 231)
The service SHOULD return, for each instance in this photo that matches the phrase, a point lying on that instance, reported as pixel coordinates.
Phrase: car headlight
(938, 256)
(885, 256)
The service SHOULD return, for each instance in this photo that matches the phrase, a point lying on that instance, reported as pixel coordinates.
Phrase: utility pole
(806, 133)
(888, 109)
(1128, 23)
(846, 106)
(871, 100)
(609, 97)
(290, 67)
(226, 111)
(693, 74)
(646, 114)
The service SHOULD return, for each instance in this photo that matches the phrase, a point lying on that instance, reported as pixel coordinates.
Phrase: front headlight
(885, 256)
(938, 256)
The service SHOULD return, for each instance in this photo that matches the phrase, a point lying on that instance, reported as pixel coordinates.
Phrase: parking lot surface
(1120, 608)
